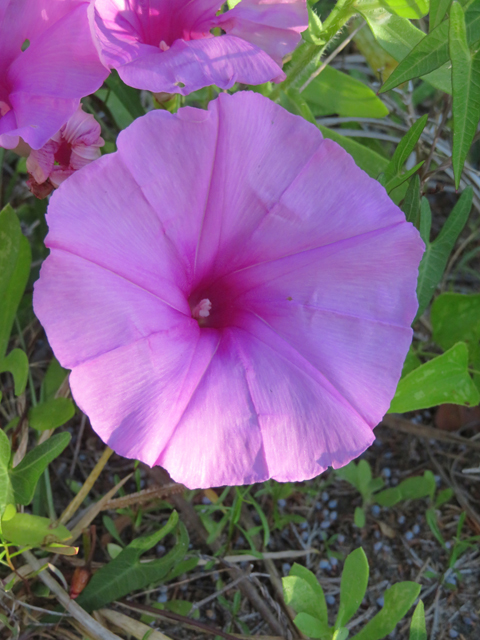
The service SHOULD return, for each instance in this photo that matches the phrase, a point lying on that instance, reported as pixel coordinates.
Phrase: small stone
(160, 549)
(333, 504)
(325, 565)
(377, 546)
(341, 538)
(325, 524)
(416, 529)
(380, 601)
(453, 634)
(386, 472)
(325, 513)
(376, 510)
(304, 525)
(163, 597)
(286, 568)
(281, 503)
(304, 536)
(333, 561)
(333, 515)
(409, 535)
(325, 496)
(401, 520)
(330, 600)
(206, 500)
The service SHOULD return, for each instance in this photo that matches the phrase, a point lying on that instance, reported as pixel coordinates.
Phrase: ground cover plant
(233, 240)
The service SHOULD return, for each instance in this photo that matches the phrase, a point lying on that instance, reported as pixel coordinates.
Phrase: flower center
(202, 310)
(163, 45)
(63, 153)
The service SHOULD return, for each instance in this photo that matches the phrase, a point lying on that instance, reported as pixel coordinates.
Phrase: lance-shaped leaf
(15, 258)
(436, 253)
(438, 9)
(466, 90)
(399, 37)
(25, 530)
(418, 629)
(5, 485)
(411, 202)
(127, 573)
(407, 144)
(398, 600)
(24, 476)
(431, 52)
(445, 379)
(352, 586)
(412, 9)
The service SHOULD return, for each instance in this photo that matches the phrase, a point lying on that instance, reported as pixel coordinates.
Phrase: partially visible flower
(232, 293)
(166, 46)
(76, 144)
(48, 61)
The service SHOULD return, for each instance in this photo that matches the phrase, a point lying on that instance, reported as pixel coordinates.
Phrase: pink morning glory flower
(167, 45)
(48, 61)
(75, 145)
(232, 293)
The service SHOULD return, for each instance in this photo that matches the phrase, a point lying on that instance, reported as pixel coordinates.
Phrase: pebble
(333, 515)
(304, 525)
(377, 534)
(376, 510)
(438, 479)
(377, 546)
(333, 504)
(160, 549)
(281, 503)
(325, 524)
(318, 506)
(163, 597)
(378, 442)
(305, 536)
(453, 634)
(206, 500)
(341, 538)
(401, 520)
(286, 568)
(330, 600)
(386, 472)
(448, 544)
(325, 564)
(333, 561)
(416, 529)
(325, 513)
(409, 535)
(380, 601)
(468, 621)
(325, 496)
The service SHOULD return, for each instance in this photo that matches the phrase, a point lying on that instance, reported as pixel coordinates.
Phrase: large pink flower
(41, 86)
(233, 294)
(167, 45)
(75, 145)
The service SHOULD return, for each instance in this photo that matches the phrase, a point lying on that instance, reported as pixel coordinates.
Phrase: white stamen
(202, 309)
(163, 45)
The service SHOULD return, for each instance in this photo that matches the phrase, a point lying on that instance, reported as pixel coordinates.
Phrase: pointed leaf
(15, 258)
(430, 53)
(413, 9)
(5, 486)
(398, 600)
(445, 379)
(455, 317)
(466, 90)
(24, 476)
(411, 202)
(438, 9)
(352, 586)
(418, 629)
(399, 38)
(437, 253)
(320, 606)
(312, 627)
(405, 147)
(126, 573)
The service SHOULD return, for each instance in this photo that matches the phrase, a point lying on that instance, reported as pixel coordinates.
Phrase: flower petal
(272, 25)
(188, 66)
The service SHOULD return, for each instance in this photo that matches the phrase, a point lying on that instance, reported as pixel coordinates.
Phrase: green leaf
(417, 487)
(359, 518)
(445, 379)
(25, 530)
(320, 605)
(430, 54)
(24, 476)
(425, 221)
(364, 472)
(437, 253)
(126, 573)
(352, 586)
(333, 91)
(340, 634)
(388, 497)
(54, 377)
(51, 414)
(455, 317)
(128, 97)
(398, 37)
(411, 202)
(17, 364)
(398, 600)
(412, 9)
(349, 473)
(314, 32)
(418, 629)
(466, 90)
(404, 149)
(5, 485)
(300, 596)
(312, 627)
(431, 518)
(438, 9)
(412, 362)
(15, 258)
